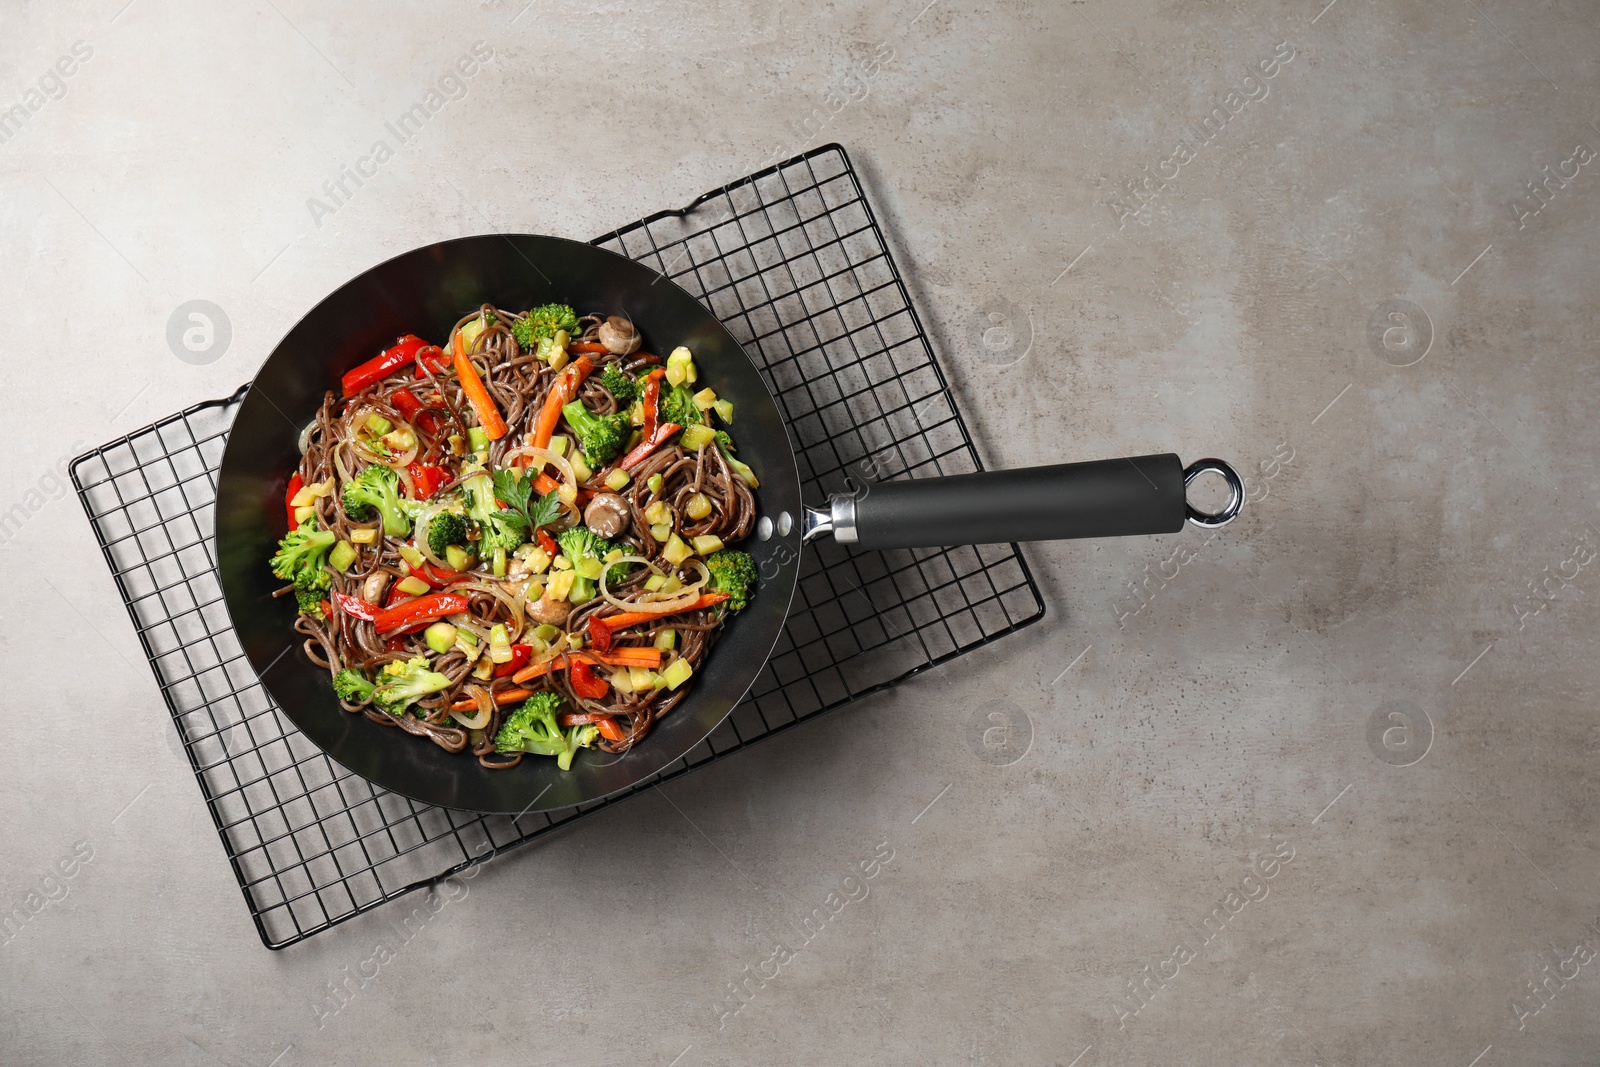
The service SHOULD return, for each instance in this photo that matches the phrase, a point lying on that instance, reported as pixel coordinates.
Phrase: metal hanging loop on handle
(1230, 510)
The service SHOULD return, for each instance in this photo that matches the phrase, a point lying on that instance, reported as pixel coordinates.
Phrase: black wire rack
(792, 260)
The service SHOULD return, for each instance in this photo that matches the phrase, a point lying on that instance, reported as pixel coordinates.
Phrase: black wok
(424, 292)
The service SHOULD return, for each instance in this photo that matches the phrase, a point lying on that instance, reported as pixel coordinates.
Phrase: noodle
(340, 445)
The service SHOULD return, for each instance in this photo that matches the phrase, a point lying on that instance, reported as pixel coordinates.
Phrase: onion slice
(538, 458)
(480, 696)
(655, 603)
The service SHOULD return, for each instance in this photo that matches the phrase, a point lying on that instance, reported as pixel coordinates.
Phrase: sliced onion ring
(538, 458)
(678, 601)
(480, 696)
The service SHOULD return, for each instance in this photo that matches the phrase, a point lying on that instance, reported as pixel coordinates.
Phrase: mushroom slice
(545, 610)
(607, 515)
(619, 336)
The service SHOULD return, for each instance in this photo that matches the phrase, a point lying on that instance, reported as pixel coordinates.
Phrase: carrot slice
(478, 394)
(562, 393)
(621, 657)
(601, 629)
(505, 696)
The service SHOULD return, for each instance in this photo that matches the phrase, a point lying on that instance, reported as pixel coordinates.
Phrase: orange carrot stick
(505, 696)
(622, 657)
(600, 630)
(477, 394)
(562, 393)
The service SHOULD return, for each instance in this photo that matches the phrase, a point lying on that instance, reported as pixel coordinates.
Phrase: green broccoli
(304, 548)
(352, 686)
(577, 737)
(402, 682)
(535, 329)
(732, 572)
(677, 405)
(301, 558)
(532, 728)
(579, 544)
(725, 444)
(620, 384)
(377, 489)
(445, 529)
(600, 436)
(311, 589)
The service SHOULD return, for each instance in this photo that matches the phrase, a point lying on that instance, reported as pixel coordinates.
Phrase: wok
(424, 292)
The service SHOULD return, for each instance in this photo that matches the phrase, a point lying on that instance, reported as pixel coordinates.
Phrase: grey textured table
(1313, 789)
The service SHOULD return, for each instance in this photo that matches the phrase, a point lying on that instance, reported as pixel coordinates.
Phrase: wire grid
(792, 261)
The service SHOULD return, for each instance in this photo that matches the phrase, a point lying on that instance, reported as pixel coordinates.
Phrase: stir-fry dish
(518, 542)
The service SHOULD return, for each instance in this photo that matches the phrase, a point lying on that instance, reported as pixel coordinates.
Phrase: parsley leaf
(517, 494)
(510, 488)
(545, 510)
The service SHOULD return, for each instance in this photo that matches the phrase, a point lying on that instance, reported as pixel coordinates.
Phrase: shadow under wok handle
(1104, 498)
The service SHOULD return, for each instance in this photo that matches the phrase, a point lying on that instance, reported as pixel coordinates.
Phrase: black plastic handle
(1104, 498)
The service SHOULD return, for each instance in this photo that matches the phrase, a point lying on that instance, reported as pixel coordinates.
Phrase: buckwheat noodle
(519, 382)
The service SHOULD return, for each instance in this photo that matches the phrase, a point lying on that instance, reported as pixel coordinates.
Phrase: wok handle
(1104, 498)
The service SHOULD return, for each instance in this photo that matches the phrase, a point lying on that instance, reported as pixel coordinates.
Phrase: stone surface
(1233, 719)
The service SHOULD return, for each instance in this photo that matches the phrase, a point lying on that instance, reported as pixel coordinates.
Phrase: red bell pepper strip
(478, 396)
(422, 608)
(548, 543)
(437, 577)
(601, 630)
(392, 359)
(520, 655)
(432, 358)
(580, 718)
(652, 398)
(586, 683)
(607, 723)
(562, 393)
(427, 478)
(296, 484)
(355, 606)
(413, 410)
(648, 445)
(622, 657)
(327, 609)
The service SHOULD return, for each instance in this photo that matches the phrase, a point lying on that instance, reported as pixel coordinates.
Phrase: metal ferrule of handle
(838, 519)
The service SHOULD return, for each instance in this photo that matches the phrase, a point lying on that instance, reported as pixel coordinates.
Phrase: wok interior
(424, 292)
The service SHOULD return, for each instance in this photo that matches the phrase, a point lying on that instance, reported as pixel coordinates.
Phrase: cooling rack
(793, 261)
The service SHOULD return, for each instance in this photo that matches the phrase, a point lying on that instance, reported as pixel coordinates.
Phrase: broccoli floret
(732, 572)
(497, 527)
(301, 556)
(581, 543)
(577, 737)
(532, 728)
(620, 384)
(535, 329)
(402, 682)
(311, 589)
(677, 405)
(447, 528)
(725, 444)
(377, 489)
(600, 436)
(353, 686)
